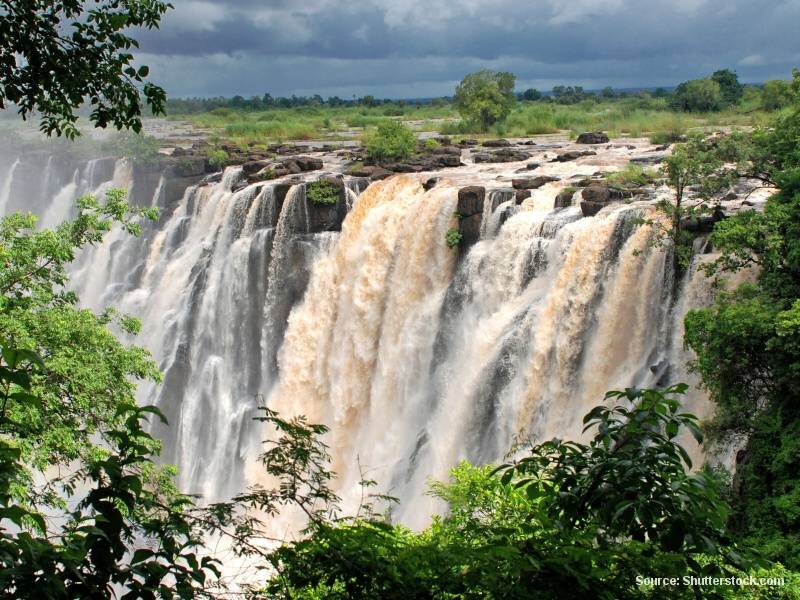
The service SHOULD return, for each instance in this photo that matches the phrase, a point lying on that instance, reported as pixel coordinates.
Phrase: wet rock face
(328, 217)
(470, 207)
(470, 200)
(592, 137)
(563, 200)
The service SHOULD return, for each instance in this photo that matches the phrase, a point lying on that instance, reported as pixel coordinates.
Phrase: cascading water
(415, 357)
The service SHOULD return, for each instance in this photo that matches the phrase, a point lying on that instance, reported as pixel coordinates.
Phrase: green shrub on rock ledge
(452, 238)
(322, 192)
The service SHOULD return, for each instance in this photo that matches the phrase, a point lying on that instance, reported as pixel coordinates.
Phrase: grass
(632, 174)
(631, 117)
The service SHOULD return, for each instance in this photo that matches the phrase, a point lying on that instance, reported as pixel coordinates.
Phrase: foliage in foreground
(748, 347)
(567, 519)
(55, 55)
(83, 509)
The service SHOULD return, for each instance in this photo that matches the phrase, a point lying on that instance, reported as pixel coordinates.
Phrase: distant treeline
(720, 91)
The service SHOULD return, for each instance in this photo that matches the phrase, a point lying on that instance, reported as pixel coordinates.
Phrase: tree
(57, 55)
(531, 95)
(697, 95)
(607, 92)
(775, 94)
(706, 165)
(485, 97)
(730, 90)
(106, 517)
(748, 345)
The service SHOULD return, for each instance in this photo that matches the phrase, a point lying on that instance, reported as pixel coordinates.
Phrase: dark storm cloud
(404, 48)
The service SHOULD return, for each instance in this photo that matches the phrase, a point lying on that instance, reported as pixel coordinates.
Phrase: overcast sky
(422, 48)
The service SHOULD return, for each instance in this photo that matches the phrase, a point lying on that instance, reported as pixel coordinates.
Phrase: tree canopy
(486, 97)
(55, 56)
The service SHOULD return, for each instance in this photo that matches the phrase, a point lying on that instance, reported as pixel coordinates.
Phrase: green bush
(392, 140)
(452, 238)
(432, 143)
(217, 158)
(268, 174)
(659, 137)
(322, 192)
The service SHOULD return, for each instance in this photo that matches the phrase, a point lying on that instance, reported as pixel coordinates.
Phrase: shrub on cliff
(322, 192)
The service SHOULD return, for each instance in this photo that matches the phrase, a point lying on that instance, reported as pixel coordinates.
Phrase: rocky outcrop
(521, 195)
(597, 193)
(595, 198)
(499, 143)
(531, 183)
(573, 155)
(504, 155)
(328, 217)
(470, 200)
(470, 208)
(592, 137)
(371, 172)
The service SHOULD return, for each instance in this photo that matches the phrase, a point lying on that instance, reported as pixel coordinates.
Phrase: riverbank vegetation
(664, 116)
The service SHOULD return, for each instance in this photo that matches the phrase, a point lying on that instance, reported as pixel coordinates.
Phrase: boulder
(380, 173)
(646, 160)
(505, 155)
(482, 157)
(430, 183)
(446, 150)
(590, 209)
(469, 142)
(597, 193)
(363, 171)
(449, 160)
(572, 155)
(532, 166)
(292, 167)
(254, 166)
(307, 163)
(470, 200)
(531, 183)
(404, 168)
(592, 137)
(501, 143)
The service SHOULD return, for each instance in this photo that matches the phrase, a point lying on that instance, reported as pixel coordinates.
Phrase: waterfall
(5, 187)
(414, 356)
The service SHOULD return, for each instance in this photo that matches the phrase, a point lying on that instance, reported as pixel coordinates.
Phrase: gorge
(415, 354)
